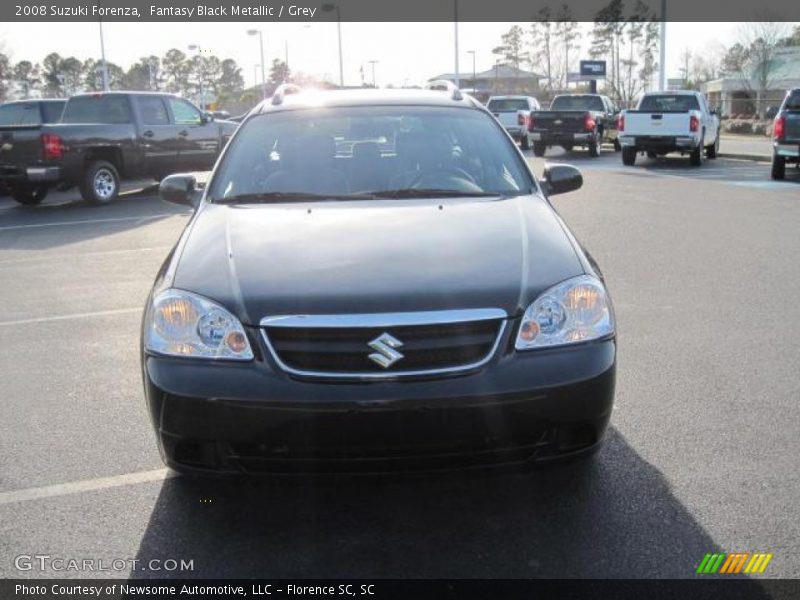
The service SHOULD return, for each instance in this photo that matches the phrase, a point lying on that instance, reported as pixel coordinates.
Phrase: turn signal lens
(576, 310)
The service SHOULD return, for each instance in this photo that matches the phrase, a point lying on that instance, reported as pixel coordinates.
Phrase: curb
(752, 157)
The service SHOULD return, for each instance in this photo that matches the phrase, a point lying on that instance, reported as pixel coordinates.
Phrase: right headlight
(576, 310)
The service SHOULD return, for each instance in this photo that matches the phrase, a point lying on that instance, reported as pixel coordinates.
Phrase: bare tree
(543, 33)
(760, 40)
(568, 32)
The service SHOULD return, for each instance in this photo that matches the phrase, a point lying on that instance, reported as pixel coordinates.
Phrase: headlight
(180, 323)
(575, 310)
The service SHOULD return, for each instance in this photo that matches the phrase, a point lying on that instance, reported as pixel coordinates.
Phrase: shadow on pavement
(612, 516)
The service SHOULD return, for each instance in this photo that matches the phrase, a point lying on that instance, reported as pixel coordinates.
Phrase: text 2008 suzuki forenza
(375, 281)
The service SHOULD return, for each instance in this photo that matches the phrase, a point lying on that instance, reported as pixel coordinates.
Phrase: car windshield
(577, 103)
(507, 104)
(669, 103)
(793, 101)
(369, 152)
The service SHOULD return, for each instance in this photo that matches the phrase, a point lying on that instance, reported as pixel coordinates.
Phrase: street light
(103, 58)
(199, 50)
(329, 8)
(473, 67)
(263, 71)
(373, 63)
(255, 74)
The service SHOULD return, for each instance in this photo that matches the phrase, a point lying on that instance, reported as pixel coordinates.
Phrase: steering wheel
(450, 174)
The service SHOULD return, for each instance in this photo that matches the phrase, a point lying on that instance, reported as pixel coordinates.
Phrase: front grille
(346, 350)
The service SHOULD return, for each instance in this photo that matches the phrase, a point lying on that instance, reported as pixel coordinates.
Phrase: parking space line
(87, 485)
(99, 313)
(49, 257)
(89, 221)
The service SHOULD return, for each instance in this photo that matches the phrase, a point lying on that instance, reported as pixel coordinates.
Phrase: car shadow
(611, 516)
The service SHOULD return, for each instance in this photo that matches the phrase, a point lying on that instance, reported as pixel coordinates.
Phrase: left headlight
(180, 323)
(576, 310)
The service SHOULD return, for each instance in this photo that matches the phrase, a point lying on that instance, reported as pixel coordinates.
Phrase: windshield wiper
(265, 197)
(431, 193)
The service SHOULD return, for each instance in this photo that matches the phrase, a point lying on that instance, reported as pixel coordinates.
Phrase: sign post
(593, 70)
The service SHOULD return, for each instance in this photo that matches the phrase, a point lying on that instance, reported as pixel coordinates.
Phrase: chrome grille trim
(387, 320)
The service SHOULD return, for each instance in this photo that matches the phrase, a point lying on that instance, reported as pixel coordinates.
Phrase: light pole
(263, 71)
(195, 47)
(455, 26)
(103, 58)
(329, 8)
(662, 51)
(473, 67)
(373, 63)
(255, 74)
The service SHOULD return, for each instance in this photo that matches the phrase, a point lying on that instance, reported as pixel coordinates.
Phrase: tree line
(59, 76)
(627, 38)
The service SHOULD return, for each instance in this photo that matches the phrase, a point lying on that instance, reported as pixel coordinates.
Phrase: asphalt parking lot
(702, 455)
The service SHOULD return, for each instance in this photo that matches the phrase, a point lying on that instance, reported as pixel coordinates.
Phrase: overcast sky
(408, 52)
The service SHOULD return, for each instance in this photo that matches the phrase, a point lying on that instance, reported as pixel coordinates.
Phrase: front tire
(713, 150)
(628, 156)
(594, 145)
(524, 142)
(696, 157)
(617, 146)
(539, 149)
(100, 184)
(29, 195)
(778, 167)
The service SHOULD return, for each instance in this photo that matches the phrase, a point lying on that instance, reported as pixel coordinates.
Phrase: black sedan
(374, 281)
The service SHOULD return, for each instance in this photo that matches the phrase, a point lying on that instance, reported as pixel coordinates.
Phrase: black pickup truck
(575, 120)
(103, 138)
(786, 134)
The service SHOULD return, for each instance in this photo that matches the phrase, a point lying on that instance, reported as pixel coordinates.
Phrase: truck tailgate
(507, 118)
(20, 147)
(656, 124)
(567, 121)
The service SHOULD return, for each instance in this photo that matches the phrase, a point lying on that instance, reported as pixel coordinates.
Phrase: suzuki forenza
(375, 281)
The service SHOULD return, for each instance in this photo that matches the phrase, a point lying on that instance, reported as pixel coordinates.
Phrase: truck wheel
(713, 149)
(617, 146)
(594, 145)
(524, 142)
(567, 147)
(696, 157)
(29, 195)
(651, 154)
(539, 149)
(628, 156)
(778, 167)
(100, 183)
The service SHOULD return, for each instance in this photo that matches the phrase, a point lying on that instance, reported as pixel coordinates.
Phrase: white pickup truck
(514, 114)
(665, 122)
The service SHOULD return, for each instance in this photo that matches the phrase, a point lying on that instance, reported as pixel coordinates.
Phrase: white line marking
(90, 221)
(99, 313)
(77, 255)
(88, 485)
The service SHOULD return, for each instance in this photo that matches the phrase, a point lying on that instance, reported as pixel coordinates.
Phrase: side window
(184, 113)
(152, 110)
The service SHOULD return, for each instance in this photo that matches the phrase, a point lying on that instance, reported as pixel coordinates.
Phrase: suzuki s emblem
(557, 122)
(385, 354)
(6, 147)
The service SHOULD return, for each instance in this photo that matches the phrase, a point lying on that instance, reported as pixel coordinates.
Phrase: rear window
(793, 101)
(339, 151)
(109, 109)
(51, 111)
(23, 113)
(669, 103)
(577, 103)
(507, 104)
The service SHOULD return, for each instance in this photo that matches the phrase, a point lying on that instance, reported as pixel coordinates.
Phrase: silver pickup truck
(665, 122)
(514, 113)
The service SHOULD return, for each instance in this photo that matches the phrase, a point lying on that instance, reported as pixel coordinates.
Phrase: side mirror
(180, 189)
(207, 117)
(560, 179)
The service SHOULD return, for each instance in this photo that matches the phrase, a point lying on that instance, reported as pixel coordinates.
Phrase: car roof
(123, 93)
(29, 100)
(367, 97)
(673, 93)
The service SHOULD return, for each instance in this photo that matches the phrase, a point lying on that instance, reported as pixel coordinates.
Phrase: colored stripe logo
(733, 563)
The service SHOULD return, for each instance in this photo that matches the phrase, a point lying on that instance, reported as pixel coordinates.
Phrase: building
(738, 95)
(500, 79)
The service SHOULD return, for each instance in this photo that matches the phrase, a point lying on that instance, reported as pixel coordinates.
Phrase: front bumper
(556, 138)
(253, 418)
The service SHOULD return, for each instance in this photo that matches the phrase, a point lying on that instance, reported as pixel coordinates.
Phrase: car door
(158, 136)
(200, 136)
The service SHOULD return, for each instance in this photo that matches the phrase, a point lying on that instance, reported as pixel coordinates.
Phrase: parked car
(18, 116)
(514, 113)
(665, 122)
(333, 306)
(586, 120)
(105, 137)
(786, 134)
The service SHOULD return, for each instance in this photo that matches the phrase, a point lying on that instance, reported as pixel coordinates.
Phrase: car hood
(364, 257)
